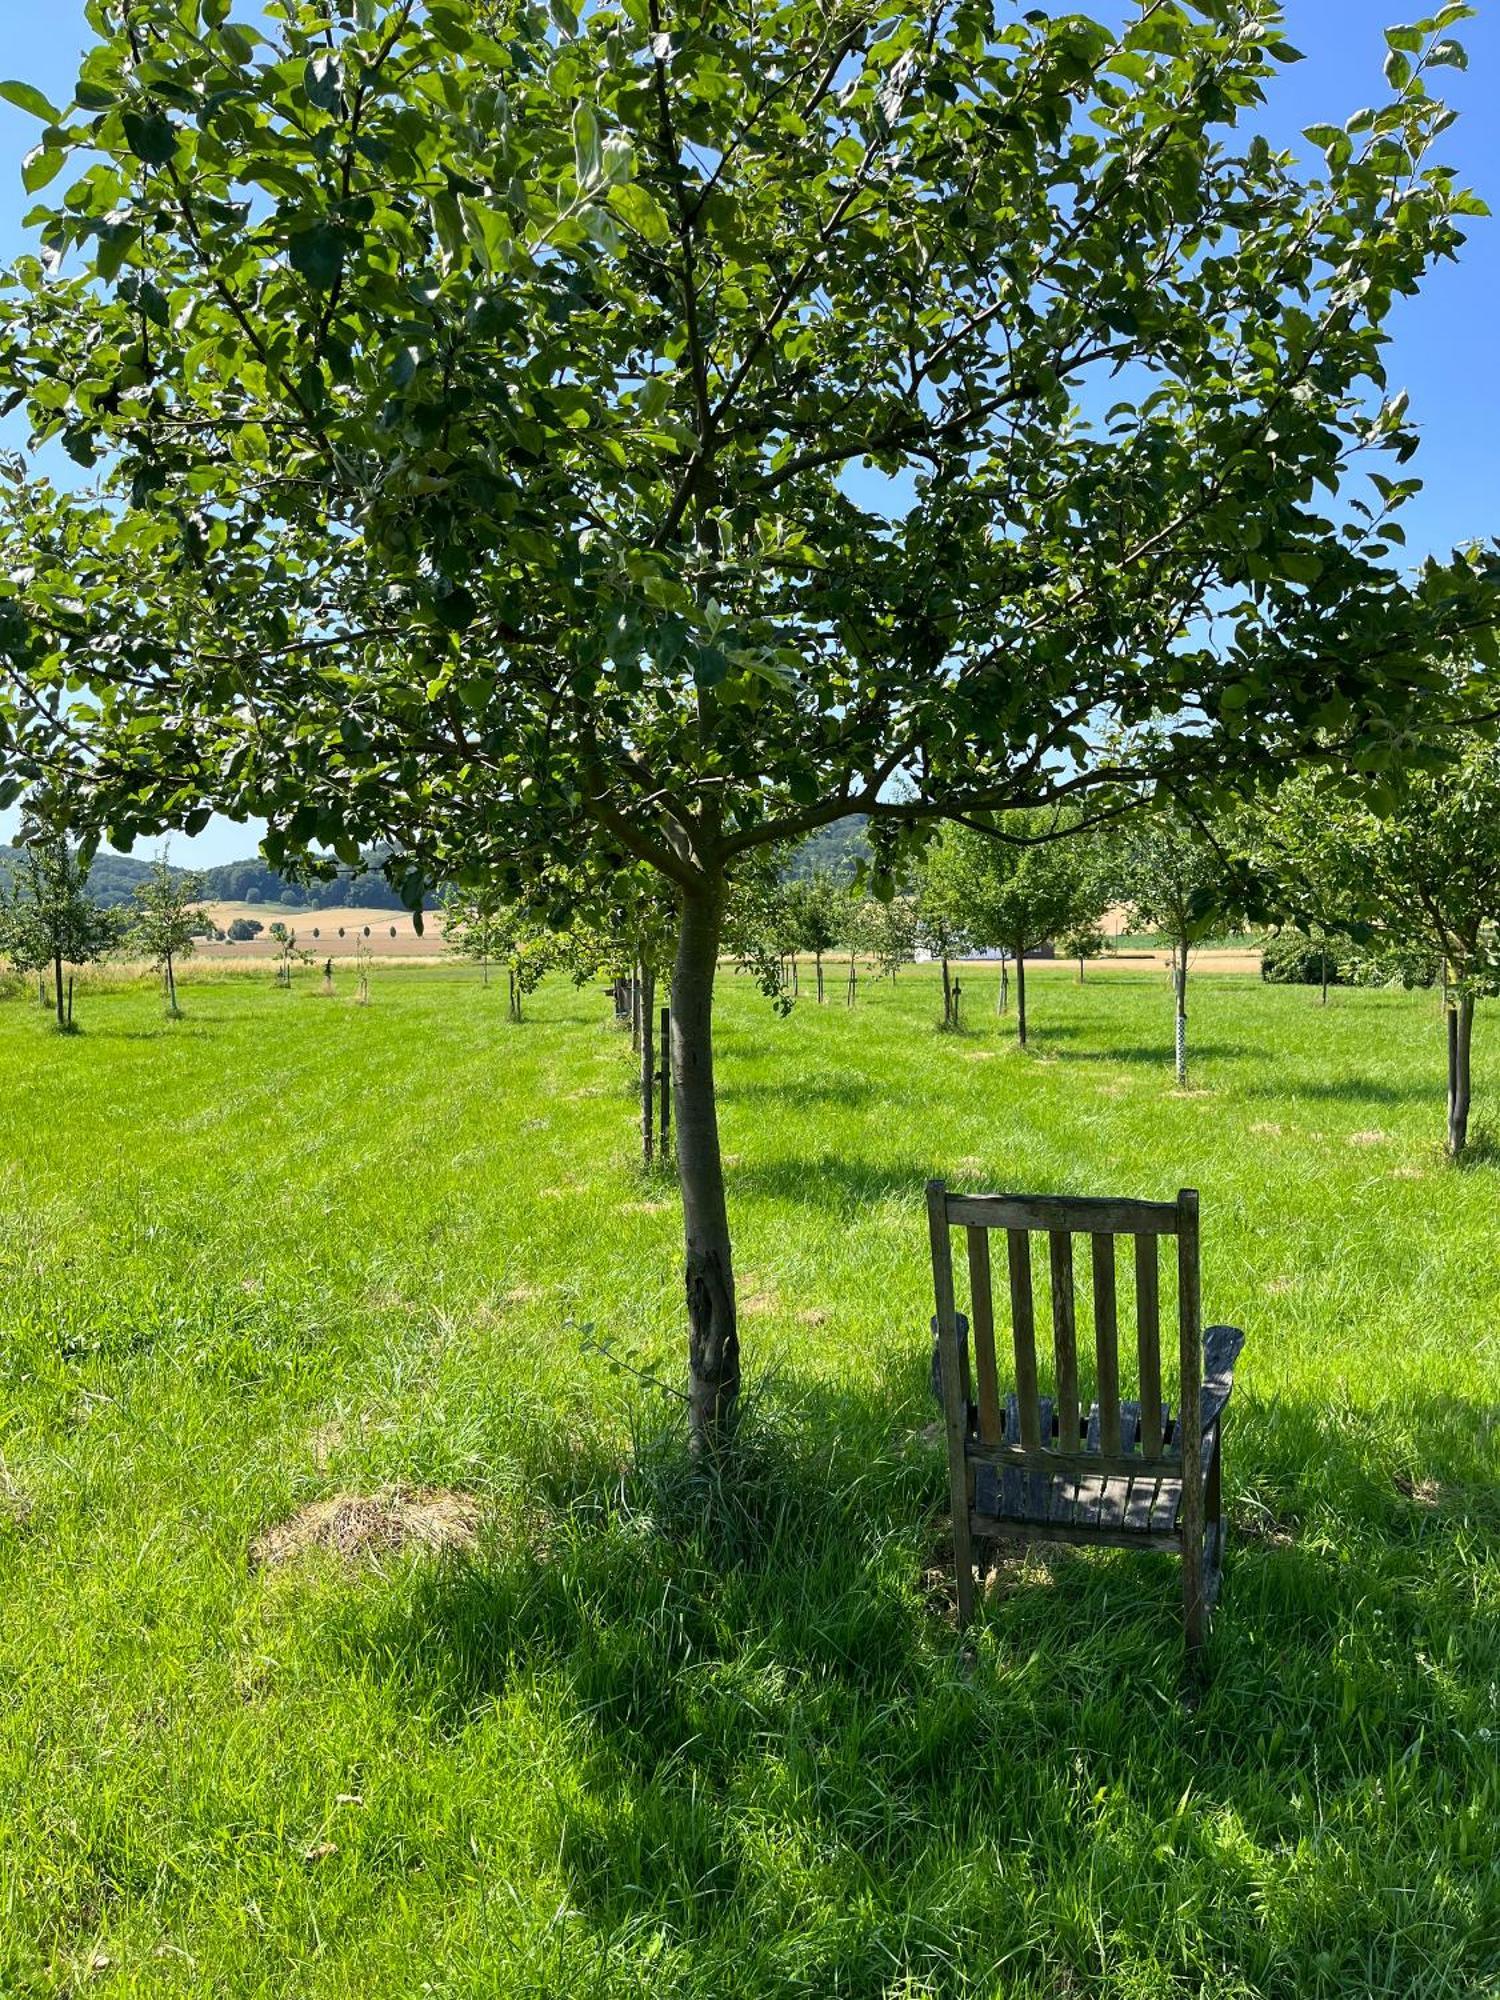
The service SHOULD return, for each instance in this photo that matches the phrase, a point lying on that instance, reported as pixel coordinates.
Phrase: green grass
(657, 1739)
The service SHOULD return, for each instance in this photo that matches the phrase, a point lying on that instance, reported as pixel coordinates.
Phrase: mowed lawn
(657, 1736)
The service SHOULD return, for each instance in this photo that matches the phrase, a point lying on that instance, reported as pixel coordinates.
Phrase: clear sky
(1446, 351)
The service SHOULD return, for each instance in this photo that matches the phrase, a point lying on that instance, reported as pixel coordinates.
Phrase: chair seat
(1147, 1502)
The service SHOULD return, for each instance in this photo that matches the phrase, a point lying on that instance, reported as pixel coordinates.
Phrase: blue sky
(1447, 343)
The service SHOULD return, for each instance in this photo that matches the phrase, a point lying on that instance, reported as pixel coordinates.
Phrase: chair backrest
(1114, 1446)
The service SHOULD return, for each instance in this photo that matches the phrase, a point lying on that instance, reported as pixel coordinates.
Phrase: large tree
(483, 396)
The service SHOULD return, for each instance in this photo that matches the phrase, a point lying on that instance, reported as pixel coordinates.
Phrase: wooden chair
(1047, 1468)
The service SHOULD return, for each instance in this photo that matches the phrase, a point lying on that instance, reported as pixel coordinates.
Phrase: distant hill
(835, 850)
(113, 878)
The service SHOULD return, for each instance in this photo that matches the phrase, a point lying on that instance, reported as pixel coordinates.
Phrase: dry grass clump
(358, 1527)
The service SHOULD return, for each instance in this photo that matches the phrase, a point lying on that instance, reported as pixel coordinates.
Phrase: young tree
(856, 935)
(1082, 940)
(472, 922)
(817, 910)
(168, 922)
(482, 482)
(364, 962)
(941, 911)
(763, 929)
(627, 925)
(1175, 878)
(48, 919)
(892, 929)
(1411, 869)
(1020, 879)
(288, 954)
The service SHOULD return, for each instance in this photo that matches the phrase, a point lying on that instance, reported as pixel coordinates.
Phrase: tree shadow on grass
(843, 1091)
(1347, 1090)
(832, 1181)
(1159, 1054)
(760, 1706)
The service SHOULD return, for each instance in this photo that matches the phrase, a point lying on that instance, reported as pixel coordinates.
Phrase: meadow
(658, 1732)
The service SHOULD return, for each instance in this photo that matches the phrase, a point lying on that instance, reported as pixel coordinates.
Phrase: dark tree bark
(171, 986)
(1179, 989)
(853, 976)
(1460, 1044)
(1323, 966)
(818, 961)
(1021, 994)
(57, 988)
(713, 1338)
(947, 994)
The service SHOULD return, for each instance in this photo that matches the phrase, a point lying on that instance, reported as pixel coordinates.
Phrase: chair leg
(1213, 1510)
(963, 1566)
(1200, 1557)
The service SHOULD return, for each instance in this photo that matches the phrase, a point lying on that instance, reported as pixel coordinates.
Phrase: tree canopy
(663, 431)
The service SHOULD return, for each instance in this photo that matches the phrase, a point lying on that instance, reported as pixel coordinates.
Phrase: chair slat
(1148, 1343)
(1106, 1341)
(1023, 1336)
(982, 1312)
(1064, 1339)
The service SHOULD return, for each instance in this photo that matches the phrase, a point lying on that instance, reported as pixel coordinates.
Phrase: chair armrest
(1221, 1347)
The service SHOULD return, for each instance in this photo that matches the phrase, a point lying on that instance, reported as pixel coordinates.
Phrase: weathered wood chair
(1047, 1468)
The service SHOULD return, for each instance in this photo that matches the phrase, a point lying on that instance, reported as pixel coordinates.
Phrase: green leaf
(643, 213)
(317, 254)
(457, 608)
(151, 136)
(40, 166)
(26, 97)
(586, 157)
(320, 80)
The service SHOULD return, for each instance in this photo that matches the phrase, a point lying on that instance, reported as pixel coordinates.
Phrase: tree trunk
(1179, 988)
(1021, 994)
(171, 986)
(70, 999)
(1460, 1041)
(713, 1339)
(947, 994)
(484, 971)
(818, 961)
(648, 1065)
(57, 988)
(849, 996)
(1324, 968)
(1080, 968)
